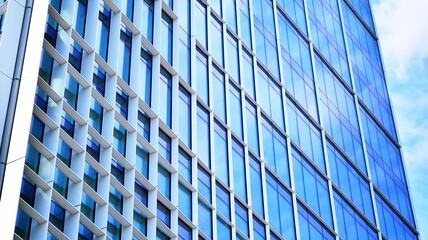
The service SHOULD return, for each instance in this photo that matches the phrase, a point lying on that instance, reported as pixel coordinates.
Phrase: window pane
(239, 170)
(203, 136)
(219, 94)
(165, 101)
(164, 182)
(185, 116)
(166, 36)
(205, 219)
(185, 201)
(145, 82)
(220, 153)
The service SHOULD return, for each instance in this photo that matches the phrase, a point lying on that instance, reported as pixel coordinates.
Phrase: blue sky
(402, 27)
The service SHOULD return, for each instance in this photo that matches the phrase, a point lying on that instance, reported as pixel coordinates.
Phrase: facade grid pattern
(219, 119)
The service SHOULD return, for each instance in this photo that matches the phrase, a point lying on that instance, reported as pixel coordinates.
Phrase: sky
(403, 33)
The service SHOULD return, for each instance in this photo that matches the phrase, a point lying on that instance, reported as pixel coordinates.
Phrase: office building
(218, 119)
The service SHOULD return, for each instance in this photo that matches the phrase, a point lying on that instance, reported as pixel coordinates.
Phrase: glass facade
(221, 119)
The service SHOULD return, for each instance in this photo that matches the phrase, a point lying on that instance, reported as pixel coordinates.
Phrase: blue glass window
(201, 23)
(311, 187)
(259, 229)
(386, 165)
(165, 93)
(241, 218)
(142, 160)
(140, 221)
(306, 135)
(41, 99)
(147, 12)
(223, 229)
(119, 138)
(67, 123)
(118, 171)
(296, 10)
(28, 191)
(99, 79)
(96, 115)
(229, 7)
(239, 170)
(141, 193)
(297, 66)
(128, 8)
(219, 94)
(204, 183)
(184, 55)
(245, 22)
(90, 176)
(391, 224)
(216, 6)
(160, 235)
(280, 208)
(205, 219)
(143, 125)
(364, 10)
(115, 199)
(166, 36)
(338, 113)
(37, 128)
(93, 148)
(327, 34)
(84, 233)
(51, 29)
(350, 224)
(203, 128)
(233, 57)
(164, 214)
(145, 82)
(202, 75)
(75, 55)
(252, 127)
(184, 40)
(57, 216)
(124, 66)
(164, 182)
(220, 153)
(265, 35)
(310, 228)
(223, 200)
(275, 150)
(235, 110)
(184, 231)
(350, 182)
(185, 165)
(114, 229)
(80, 16)
(103, 28)
(256, 186)
(185, 200)
(60, 183)
(270, 97)
(367, 69)
(46, 66)
(248, 74)
(71, 91)
(164, 146)
(88, 206)
(64, 152)
(185, 127)
(217, 40)
(32, 158)
(23, 224)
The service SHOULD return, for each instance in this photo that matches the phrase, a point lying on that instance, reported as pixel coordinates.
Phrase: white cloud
(403, 31)
(402, 27)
